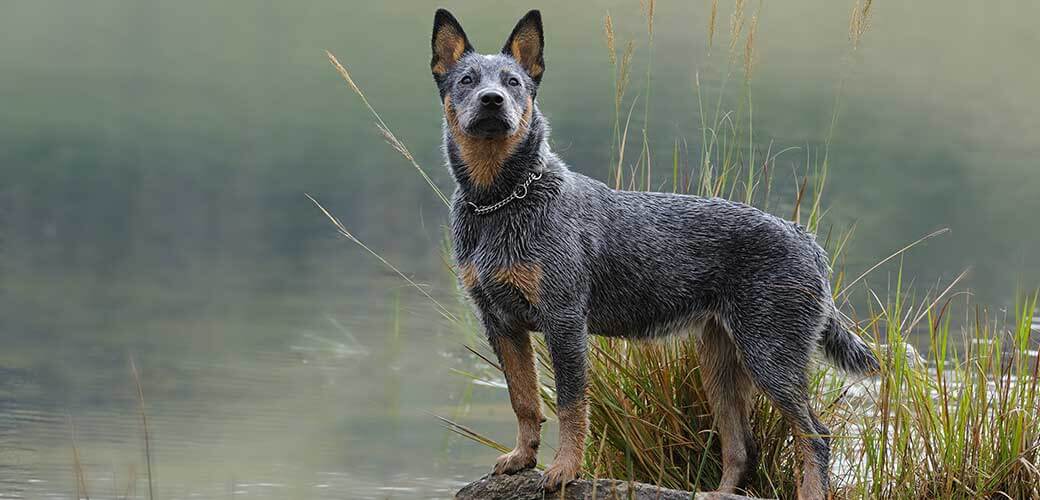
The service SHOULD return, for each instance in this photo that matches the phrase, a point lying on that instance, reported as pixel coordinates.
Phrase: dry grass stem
(384, 129)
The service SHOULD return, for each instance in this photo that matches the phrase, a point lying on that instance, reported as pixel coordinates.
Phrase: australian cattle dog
(542, 248)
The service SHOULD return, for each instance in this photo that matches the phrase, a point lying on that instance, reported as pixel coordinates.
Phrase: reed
(77, 465)
(79, 471)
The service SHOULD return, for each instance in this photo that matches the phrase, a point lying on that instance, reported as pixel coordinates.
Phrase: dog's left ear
(526, 44)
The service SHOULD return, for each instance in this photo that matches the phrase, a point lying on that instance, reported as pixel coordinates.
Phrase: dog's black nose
(491, 99)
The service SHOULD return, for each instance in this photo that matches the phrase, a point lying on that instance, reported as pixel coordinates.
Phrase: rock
(527, 486)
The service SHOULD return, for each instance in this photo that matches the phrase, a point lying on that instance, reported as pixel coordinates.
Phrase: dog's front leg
(568, 346)
(517, 360)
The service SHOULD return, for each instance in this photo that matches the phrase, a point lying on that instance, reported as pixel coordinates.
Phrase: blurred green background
(154, 158)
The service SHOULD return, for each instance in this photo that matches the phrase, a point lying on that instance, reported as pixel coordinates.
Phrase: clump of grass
(964, 425)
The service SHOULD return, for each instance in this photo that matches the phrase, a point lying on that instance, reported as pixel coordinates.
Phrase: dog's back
(659, 262)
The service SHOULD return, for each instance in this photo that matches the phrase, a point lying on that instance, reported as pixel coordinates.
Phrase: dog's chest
(496, 265)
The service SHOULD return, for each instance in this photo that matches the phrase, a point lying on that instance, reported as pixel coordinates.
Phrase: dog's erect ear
(449, 43)
(526, 45)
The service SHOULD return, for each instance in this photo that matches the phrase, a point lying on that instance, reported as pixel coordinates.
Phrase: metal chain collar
(518, 194)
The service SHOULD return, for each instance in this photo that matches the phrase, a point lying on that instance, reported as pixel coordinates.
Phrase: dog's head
(487, 96)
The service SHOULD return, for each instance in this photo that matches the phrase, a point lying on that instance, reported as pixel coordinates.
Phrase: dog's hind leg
(518, 363)
(778, 363)
(813, 439)
(729, 391)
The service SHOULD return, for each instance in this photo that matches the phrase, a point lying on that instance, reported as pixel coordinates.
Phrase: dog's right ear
(449, 43)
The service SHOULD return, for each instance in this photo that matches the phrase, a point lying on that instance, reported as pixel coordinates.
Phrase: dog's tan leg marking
(812, 485)
(574, 427)
(484, 157)
(468, 275)
(526, 277)
(729, 391)
(518, 364)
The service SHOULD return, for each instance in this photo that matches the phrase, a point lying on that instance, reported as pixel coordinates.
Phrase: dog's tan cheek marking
(518, 365)
(574, 427)
(449, 46)
(526, 277)
(484, 157)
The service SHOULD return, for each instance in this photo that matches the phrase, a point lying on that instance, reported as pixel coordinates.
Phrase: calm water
(154, 157)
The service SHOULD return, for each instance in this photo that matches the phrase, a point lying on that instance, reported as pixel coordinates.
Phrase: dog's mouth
(489, 127)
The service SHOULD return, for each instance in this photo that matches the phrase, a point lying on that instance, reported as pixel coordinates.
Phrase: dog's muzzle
(489, 127)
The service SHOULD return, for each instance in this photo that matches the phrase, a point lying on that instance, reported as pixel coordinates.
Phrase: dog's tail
(848, 351)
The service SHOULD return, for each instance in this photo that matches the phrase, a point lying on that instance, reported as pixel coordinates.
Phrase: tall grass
(79, 471)
(967, 425)
(146, 438)
(963, 424)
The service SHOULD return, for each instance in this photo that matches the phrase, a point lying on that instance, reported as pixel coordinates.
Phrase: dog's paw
(515, 461)
(559, 473)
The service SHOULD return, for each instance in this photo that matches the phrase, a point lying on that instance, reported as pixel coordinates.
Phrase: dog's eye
(466, 80)
(513, 81)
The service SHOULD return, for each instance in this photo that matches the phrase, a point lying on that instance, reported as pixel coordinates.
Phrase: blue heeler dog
(541, 248)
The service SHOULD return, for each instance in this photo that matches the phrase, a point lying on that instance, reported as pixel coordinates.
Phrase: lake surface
(154, 158)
